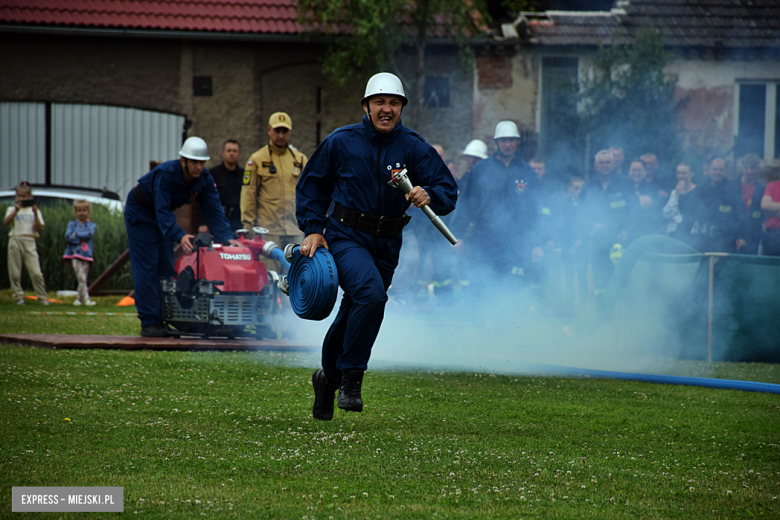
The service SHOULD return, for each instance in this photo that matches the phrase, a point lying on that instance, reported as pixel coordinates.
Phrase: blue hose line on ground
(314, 284)
(723, 384)
(278, 255)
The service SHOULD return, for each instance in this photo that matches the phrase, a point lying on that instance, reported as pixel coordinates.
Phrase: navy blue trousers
(151, 258)
(365, 268)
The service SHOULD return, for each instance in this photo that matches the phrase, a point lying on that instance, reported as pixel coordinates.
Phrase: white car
(47, 195)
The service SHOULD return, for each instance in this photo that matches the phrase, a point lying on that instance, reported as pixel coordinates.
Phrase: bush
(110, 242)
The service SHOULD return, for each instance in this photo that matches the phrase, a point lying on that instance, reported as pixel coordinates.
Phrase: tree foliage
(368, 32)
(629, 98)
(371, 36)
(518, 6)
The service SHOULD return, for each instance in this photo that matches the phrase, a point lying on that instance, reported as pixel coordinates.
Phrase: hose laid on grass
(313, 284)
(723, 384)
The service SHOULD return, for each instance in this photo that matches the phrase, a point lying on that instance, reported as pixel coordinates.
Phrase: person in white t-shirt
(25, 220)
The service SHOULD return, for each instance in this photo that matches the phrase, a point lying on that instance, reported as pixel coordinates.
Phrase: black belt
(141, 199)
(380, 226)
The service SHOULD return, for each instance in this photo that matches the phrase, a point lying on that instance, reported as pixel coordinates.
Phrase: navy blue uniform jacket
(611, 207)
(353, 165)
(166, 187)
(502, 204)
(723, 218)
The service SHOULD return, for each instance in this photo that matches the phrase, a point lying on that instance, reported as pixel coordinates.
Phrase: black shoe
(155, 330)
(349, 391)
(324, 394)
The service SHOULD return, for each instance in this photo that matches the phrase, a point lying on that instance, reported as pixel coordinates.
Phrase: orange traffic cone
(52, 300)
(127, 301)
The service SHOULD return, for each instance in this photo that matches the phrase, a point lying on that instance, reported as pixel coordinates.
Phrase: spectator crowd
(514, 219)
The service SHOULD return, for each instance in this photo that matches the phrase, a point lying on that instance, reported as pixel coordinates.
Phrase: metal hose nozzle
(401, 180)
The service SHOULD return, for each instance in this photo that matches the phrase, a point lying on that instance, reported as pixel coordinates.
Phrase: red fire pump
(219, 290)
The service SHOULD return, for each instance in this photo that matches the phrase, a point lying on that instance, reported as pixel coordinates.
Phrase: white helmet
(506, 129)
(476, 148)
(385, 83)
(195, 148)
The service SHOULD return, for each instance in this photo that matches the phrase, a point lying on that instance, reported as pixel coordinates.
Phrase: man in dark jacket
(501, 203)
(152, 230)
(722, 221)
(352, 168)
(228, 176)
(606, 196)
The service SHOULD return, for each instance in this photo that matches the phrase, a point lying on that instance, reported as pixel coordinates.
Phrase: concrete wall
(507, 82)
(91, 70)
(450, 126)
(250, 81)
(506, 88)
(709, 88)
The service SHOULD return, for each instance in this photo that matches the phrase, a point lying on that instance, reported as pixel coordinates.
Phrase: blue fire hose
(311, 283)
(706, 382)
(278, 255)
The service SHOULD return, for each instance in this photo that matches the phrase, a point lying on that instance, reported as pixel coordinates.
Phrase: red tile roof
(240, 16)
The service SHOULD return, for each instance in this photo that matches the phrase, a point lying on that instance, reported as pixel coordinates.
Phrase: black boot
(349, 391)
(324, 394)
(154, 330)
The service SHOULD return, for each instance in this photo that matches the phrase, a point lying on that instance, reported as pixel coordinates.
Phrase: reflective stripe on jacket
(268, 199)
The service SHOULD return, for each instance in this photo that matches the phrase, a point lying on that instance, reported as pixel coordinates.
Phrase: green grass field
(33, 318)
(230, 435)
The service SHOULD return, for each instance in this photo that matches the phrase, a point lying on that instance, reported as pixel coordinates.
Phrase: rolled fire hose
(311, 283)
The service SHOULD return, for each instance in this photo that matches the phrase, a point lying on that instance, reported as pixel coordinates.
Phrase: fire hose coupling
(268, 247)
(401, 180)
(289, 255)
(284, 285)
(289, 251)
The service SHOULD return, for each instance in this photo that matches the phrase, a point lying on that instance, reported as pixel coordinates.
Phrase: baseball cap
(278, 119)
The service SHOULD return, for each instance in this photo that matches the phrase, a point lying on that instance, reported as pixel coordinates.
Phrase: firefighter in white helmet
(352, 168)
(152, 230)
(474, 152)
(500, 206)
